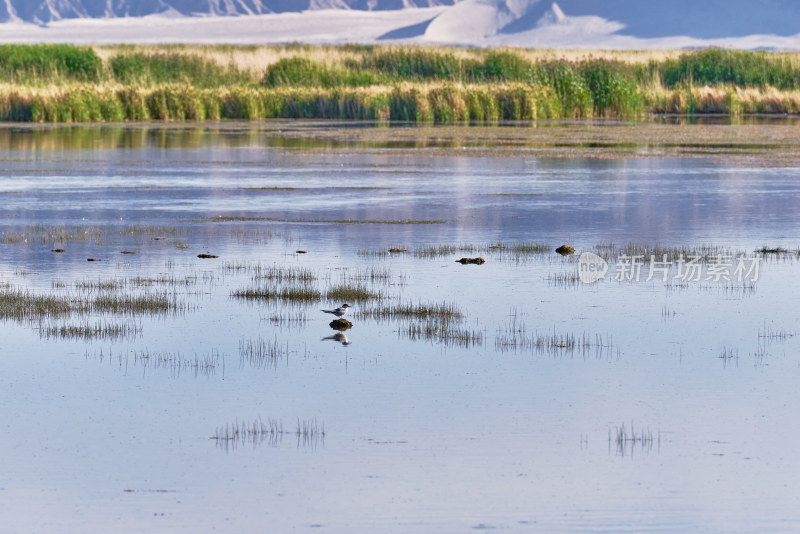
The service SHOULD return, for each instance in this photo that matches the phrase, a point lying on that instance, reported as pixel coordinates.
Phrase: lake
(147, 389)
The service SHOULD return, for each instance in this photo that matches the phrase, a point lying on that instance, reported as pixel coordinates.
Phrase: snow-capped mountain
(44, 11)
(529, 23)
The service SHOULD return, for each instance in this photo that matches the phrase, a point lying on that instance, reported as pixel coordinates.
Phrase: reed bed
(64, 83)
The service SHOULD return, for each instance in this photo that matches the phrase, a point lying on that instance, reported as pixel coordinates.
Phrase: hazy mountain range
(43, 11)
(542, 23)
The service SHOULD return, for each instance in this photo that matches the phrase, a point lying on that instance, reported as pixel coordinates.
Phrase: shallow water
(112, 432)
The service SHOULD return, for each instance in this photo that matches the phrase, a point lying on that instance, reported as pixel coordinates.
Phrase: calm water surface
(109, 420)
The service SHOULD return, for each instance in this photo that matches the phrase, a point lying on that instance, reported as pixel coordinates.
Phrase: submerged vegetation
(65, 83)
(307, 432)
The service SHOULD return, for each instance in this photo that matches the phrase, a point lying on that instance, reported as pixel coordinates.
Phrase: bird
(338, 312)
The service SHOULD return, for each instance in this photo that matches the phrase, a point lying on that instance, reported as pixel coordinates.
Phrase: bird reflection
(340, 337)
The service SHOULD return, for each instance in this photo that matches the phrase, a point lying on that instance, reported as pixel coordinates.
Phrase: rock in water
(475, 261)
(340, 324)
(565, 250)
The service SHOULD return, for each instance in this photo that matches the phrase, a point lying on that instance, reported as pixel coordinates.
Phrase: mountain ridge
(773, 24)
(46, 11)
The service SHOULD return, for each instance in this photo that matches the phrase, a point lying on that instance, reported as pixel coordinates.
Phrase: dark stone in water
(93, 259)
(207, 256)
(474, 261)
(59, 250)
(397, 250)
(565, 250)
(128, 252)
(301, 251)
(340, 324)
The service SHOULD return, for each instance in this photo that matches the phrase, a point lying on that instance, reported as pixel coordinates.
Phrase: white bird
(338, 312)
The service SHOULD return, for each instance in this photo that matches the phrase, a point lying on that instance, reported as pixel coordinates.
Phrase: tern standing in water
(338, 312)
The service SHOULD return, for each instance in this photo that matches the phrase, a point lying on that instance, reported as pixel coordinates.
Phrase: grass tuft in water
(625, 439)
(444, 332)
(352, 292)
(258, 432)
(262, 353)
(286, 294)
(90, 331)
(442, 311)
(514, 336)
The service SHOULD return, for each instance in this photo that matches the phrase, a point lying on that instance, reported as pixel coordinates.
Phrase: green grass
(167, 68)
(47, 62)
(742, 68)
(66, 83)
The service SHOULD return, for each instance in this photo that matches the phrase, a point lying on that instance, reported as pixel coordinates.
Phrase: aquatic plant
(261, 353)
(352, 292)
(442, 311)
(308, 432)
(445, 332)
(285, 294)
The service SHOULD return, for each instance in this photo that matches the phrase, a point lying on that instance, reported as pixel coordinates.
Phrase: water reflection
(339, 337)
